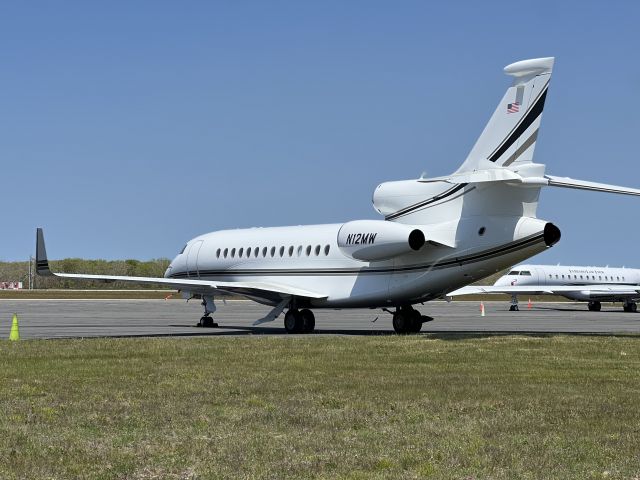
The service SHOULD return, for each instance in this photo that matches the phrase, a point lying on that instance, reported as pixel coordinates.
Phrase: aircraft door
(192, 259)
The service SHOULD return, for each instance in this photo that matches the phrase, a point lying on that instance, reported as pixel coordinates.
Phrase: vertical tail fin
(510, 136)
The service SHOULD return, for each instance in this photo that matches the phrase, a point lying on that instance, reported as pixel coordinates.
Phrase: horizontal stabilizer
(477, 176)
(567, 182)
(512, 178)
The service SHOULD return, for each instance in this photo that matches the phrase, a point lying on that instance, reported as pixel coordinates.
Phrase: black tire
(633, 307)
(293, 321)
(626, 308)
(597, 306)
(416, 321)
(308, 320)
(207, 322)
(401, 322)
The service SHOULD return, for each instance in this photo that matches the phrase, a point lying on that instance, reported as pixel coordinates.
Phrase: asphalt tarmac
(152, 318)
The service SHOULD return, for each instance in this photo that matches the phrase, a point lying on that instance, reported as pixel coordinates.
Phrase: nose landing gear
(514, 304)
(206, 321)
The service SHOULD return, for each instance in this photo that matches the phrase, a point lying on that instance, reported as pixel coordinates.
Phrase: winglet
(42, 264)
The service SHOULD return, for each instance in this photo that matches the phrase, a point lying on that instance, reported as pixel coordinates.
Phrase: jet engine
(370, 240)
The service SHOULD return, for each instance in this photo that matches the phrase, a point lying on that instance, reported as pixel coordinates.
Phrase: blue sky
(130, 127)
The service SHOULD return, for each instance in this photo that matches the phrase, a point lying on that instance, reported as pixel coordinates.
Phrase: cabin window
(308, 250)
(226, 251)
(581, 277)
(326, 250)
(183, 249)
(525, 272)
(618, 278)
(281, 251)
(563, 277)
(291, 251)
(599, 277)
(240, 252)
(550, 276)
(256, 251)
(515, 272)
(556, 277)
(264, 251)
(575, 276)
(273, 251)
(218, 253)
(317, 250)
(233, 252)
(299, 250)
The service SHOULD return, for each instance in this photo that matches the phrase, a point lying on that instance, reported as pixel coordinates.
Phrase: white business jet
(584, 284)
(437, 234)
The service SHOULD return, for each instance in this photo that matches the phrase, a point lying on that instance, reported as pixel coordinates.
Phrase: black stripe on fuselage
(530, 117)
(473, 258)
(424, 203)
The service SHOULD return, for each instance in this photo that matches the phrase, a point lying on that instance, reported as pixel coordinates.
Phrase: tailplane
(511, 134)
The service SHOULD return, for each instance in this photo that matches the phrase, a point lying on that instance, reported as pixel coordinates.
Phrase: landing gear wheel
(415, 324)
(514, 308)
(207, 322)
(407, 320)
(293, 322)
(308, 320)
(630, 307)
(401, 322)
(595, 306)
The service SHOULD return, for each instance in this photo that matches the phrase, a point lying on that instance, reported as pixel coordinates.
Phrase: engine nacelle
(371, 240)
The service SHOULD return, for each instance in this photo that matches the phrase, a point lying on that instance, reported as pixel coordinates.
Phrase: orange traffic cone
(529, 305)
(481, 309)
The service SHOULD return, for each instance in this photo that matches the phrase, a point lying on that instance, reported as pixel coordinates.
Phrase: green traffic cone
(15, 333)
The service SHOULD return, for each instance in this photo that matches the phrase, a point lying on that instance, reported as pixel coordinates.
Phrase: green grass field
(321, 407)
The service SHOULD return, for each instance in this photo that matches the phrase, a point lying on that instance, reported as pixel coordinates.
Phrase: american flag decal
(513, 107)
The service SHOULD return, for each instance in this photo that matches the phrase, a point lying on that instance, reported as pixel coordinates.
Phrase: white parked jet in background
(437, 235)
(585, 284)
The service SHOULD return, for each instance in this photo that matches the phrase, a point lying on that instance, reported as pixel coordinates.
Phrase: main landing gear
(630, 307)
(594, 306)
(407, 319)
(299, 321)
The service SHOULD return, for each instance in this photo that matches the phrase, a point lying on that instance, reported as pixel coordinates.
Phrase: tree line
(19, 272)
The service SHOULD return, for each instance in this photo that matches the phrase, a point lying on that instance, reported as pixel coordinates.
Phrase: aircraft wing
(204, 287)
(594, 291)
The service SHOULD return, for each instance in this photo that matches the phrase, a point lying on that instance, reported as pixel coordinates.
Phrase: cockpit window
(514, 272)
(525, 272)
(183, 249)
